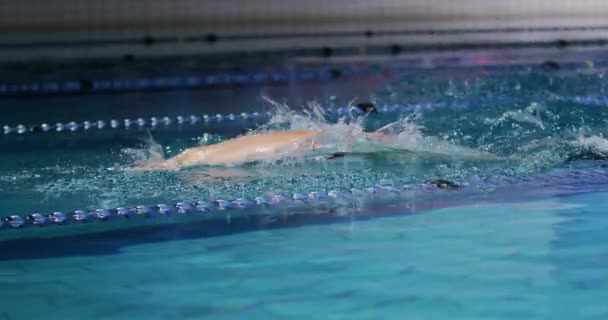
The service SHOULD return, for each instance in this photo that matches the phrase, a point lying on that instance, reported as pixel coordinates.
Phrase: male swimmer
(267, 146)
(273, 145)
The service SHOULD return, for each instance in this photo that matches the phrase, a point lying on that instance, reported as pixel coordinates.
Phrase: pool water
(539, 259)
(531, 120)
(521, 237)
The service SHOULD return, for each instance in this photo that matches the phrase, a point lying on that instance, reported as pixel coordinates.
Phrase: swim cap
(366, 107)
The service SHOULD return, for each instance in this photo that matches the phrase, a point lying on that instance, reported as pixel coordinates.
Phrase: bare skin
(241, 150)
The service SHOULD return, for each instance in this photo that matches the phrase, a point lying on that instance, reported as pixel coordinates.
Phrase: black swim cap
(366, 107)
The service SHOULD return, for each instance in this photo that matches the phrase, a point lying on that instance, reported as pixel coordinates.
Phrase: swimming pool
(368, 236)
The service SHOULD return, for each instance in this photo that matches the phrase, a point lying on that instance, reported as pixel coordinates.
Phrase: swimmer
(249, 148)
(277, 145)
(245, 149)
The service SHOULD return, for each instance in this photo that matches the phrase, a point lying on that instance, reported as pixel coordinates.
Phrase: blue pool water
(522, 237)
(538, 259)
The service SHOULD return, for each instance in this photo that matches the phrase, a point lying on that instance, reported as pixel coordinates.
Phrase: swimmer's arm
(171, 164)
(239, 150)
(230, 152)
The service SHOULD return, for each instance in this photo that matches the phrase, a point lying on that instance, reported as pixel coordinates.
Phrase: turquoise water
(524, 236)
(534, 260)
(529, 118)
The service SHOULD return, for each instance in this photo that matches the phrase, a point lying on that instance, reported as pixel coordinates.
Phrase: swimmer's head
(366, 107)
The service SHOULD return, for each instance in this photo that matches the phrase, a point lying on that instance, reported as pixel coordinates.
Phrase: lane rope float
(183, 120)
(203, 207)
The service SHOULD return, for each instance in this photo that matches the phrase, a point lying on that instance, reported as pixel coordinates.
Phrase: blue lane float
(335, 202)
(163, 82)
(207, 208)
(183, 120)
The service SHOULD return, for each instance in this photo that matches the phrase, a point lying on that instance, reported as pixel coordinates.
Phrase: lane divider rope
(205, 119)
(155, 122)
(347, 198)
(160, 82)
(202, 207)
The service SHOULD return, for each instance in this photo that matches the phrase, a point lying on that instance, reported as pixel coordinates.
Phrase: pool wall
(74, 29)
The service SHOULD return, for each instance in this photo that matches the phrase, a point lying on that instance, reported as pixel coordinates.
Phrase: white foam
(530, 115)
(598, 143)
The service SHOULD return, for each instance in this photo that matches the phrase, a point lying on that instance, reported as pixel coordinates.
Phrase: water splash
(496, 127)
(349, 134)
(595, 142)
